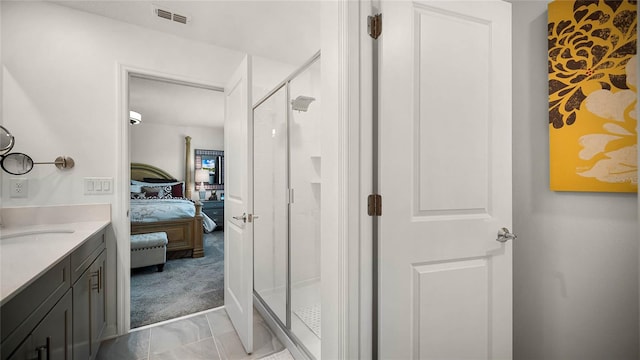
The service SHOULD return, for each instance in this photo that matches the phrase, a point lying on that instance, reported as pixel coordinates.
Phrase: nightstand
(215, 210)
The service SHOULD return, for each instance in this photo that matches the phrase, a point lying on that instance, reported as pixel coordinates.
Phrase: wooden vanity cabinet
(61, 314)
(89, 318)
(51, 339)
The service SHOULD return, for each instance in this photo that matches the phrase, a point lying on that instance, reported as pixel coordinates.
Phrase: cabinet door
(54, 332)
(51, 339)
(26, 351)
(89, 317)
(98, 300)
(81, 316)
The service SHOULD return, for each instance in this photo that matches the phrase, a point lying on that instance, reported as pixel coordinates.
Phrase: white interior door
(238, 227)
(445, 163)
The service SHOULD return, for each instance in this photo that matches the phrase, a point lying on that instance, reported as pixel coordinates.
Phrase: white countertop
(24, 258)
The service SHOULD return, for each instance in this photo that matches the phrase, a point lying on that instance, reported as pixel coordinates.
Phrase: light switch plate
(98, 185)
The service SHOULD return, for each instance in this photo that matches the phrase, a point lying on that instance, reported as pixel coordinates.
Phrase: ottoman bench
(149, 249)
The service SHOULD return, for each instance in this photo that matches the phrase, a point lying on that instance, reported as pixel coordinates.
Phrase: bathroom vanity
(52, 290)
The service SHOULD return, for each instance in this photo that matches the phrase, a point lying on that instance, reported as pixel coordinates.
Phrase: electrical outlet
(19, 188)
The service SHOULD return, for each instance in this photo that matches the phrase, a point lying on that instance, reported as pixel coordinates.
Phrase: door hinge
(374, 205)
(374, 24)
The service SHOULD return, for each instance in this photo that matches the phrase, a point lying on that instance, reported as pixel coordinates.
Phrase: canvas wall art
(593, 95)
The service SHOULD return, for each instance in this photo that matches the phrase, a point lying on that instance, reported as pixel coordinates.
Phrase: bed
(184, 232)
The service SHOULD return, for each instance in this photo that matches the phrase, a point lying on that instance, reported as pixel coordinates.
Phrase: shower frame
(287, 326)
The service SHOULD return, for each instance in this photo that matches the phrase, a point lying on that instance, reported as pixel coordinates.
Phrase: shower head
(301, 103)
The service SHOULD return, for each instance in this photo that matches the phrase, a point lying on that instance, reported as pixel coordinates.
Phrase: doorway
(182, 281)
(341, 113)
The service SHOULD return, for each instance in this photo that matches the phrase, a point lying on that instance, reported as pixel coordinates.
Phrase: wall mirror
(213, 162)
(6, 140)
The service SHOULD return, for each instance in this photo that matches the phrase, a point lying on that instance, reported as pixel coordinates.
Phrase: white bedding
(151, 210)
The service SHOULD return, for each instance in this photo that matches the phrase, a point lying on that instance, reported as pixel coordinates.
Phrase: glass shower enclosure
(287, 173)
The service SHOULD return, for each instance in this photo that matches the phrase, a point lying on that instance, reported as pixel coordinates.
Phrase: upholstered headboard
(140, 171)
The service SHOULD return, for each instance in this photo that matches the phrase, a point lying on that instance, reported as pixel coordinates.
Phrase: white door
(445, 180)
(238, 228)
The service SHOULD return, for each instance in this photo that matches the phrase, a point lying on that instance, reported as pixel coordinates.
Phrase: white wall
(267, 74)
(163, 145)
(576, 256)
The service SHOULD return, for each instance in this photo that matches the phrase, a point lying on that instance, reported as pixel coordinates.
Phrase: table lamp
(202, 175)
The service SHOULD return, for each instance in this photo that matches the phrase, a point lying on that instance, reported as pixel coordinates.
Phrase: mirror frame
(218, 177)
(11, 143)
(11, 155)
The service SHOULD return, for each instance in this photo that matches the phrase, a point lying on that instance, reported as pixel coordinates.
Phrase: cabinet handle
(96, 285)
(43, 351)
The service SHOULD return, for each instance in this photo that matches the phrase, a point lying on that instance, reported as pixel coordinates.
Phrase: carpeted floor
(186, 286)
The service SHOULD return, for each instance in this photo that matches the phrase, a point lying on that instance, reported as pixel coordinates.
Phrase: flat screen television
(209, 163)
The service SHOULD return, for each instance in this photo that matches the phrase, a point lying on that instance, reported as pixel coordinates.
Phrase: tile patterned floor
(205, 336)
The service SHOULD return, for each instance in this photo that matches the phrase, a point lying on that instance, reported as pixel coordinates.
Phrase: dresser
(215, 210)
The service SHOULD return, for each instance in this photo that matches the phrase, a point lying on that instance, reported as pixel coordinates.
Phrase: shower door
(270, 202)
(287, 173)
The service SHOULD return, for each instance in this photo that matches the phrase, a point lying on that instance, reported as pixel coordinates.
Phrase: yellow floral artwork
(593, 95)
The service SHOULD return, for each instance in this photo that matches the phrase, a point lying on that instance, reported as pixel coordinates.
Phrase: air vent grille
(163, 14)
(180, 18)
(170, 15)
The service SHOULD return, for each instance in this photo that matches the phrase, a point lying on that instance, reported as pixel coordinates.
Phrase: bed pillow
(177, 190)
(138, 195)
(160, 192)
(177, 187)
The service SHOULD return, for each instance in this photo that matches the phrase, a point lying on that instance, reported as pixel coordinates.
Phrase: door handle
(242, 218)
(504, 234)
(246, 218)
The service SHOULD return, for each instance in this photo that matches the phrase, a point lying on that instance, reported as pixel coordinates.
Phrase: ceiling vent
(163, 14)
(180, 18)
(170, 15)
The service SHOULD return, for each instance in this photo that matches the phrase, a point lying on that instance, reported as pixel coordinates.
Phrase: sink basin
(36, 232)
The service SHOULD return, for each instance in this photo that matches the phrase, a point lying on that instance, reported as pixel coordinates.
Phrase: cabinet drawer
(215, 212)
(22, 313)
(211, 204)
(82, 258)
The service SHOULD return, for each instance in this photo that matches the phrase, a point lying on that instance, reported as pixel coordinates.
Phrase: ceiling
(162, 102)
(287, 31)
